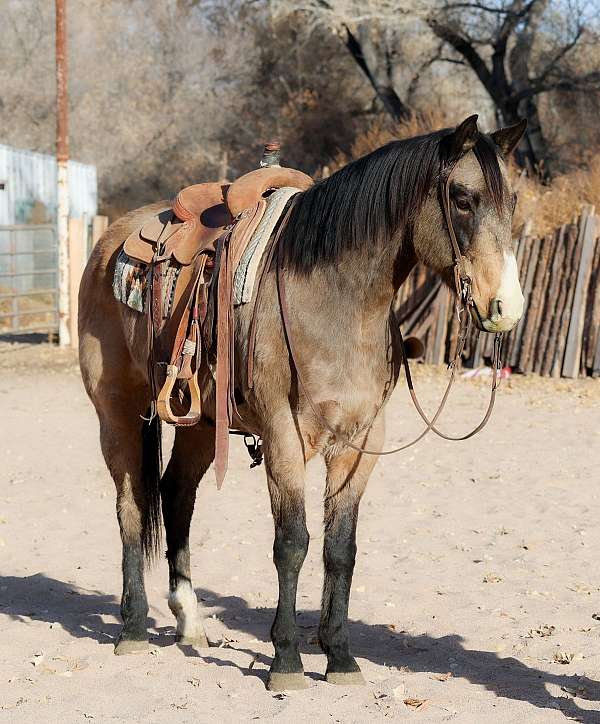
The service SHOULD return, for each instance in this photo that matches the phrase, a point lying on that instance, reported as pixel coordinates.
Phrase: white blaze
(509, 293)
(509, 298)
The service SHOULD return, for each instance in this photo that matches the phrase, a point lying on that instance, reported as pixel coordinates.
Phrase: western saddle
(202, 236)
(201, 213)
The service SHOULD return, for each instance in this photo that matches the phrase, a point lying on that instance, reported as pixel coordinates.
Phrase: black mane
(371, 198)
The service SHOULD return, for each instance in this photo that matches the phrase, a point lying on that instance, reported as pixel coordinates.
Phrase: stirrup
(163, 402)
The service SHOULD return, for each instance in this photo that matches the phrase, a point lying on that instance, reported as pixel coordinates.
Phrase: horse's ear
(507, 139)
(462, 139)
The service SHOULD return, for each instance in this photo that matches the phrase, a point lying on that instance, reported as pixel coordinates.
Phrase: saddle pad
(130, 283)
(245, 273)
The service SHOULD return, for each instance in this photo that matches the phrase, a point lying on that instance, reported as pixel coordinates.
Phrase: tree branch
(464, 47)
(589, 82)
(385, 92)
(559, 56)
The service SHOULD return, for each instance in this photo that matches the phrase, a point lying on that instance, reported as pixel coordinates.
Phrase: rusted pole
(62, 177)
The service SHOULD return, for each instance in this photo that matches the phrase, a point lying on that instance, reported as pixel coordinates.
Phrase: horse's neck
(368, 278)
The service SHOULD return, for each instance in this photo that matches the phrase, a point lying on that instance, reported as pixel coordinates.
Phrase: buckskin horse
(324, 363)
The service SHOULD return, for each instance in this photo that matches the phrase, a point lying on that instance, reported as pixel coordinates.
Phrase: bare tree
(157, 98)
(520, 50)
(374, 32)
(375, 50)
(392, 46)
(149, 89)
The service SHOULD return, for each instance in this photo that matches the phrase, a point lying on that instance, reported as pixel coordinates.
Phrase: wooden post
(513, 341)
(441, 326)
(535, 306)
(224, 166)
(572, 361)
(591, 328)
(77, 259)
(529, 269)
(555, 301)
(596, 365)
(547, 300)
(62, 174)
(571, 267)
(99, 226)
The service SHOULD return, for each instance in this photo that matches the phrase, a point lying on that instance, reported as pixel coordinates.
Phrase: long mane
(373, 198)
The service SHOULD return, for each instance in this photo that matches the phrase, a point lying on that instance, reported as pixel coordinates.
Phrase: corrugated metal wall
(29, 193)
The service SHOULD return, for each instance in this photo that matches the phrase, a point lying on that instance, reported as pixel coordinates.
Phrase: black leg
(339, 553)
(285, 475)
(347, 476)
(134, 605)
(289, 552)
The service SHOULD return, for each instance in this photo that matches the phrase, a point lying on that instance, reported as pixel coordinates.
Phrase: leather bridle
(464, 308)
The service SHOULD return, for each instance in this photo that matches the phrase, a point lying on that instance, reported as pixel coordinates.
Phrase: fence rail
(28, 279)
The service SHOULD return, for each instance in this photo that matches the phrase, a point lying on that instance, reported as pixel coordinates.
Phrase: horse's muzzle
(497, 320)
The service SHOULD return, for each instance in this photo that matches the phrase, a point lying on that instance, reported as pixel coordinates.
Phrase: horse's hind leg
(192, 454)
(285, 465)
(347, 475)
(130, 447)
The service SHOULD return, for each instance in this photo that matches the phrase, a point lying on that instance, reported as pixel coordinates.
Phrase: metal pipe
(62, 173)
(36, 293)
(26, 227)
(28, 313)
(31, 273)
(32, 252)
(27, 330)
(13, 268)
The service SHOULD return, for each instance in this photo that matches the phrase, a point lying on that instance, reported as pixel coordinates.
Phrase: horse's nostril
(495, 309)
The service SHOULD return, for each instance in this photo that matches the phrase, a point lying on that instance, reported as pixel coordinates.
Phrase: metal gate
(28, 279)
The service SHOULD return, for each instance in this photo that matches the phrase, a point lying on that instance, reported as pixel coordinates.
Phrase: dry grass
(548, 206)
(382, 131)
(545, 206)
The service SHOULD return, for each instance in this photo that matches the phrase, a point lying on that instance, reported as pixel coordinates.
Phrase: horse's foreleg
(347, 475)
(193, 452)
(284, 461)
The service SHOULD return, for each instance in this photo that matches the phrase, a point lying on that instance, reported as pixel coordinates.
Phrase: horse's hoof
(345, 678)
(286, 682)
(130, 646)
(198, 641)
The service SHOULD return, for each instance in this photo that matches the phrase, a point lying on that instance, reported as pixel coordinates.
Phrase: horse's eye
(462, 204)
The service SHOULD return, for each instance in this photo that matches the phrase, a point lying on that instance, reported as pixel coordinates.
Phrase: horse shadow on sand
(83, 613)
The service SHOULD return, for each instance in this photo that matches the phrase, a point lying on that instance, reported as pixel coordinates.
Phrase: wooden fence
(559, 334)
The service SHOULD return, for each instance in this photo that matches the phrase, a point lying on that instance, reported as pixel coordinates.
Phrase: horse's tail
(151, 474)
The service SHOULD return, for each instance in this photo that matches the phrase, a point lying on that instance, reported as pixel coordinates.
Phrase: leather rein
(464, 305)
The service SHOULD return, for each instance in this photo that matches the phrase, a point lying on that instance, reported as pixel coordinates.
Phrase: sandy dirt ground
(476, 595)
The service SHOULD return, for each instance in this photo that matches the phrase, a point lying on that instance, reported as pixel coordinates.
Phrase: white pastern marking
(184, 604)
(509, 293)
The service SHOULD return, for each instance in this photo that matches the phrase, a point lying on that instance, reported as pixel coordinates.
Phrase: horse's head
(480, 206)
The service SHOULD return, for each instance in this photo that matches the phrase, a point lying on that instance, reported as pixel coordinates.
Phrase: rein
(464, 305)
